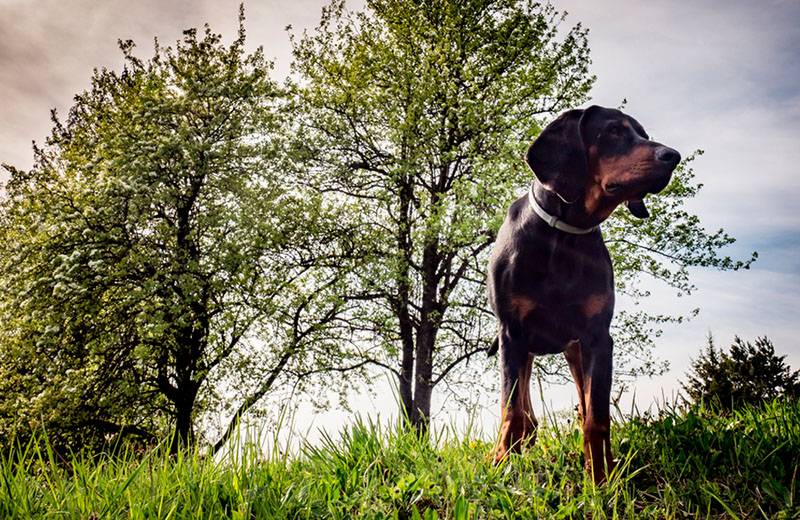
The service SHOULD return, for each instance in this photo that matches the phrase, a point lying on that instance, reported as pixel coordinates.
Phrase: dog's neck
(571, 213)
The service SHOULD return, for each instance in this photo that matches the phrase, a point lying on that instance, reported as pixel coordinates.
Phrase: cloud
(722, 76)
(48, 49)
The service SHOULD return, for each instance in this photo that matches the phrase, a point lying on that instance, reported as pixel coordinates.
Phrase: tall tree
(154, 252)
(420, 114)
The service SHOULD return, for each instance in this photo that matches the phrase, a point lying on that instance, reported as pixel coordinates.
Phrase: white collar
(554, 221)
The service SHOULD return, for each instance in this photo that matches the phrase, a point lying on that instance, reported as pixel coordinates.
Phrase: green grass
(683, 463)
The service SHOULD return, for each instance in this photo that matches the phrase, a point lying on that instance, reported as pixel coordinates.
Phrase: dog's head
(600, 158)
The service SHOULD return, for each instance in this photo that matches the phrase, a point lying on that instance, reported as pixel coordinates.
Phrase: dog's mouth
(635, 204)
(638, 188)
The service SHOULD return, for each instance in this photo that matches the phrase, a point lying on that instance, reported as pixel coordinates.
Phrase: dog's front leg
(573, 356)
(597, 371)
(518, 423)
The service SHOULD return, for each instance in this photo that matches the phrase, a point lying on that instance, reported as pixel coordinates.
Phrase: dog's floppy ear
(558, 156)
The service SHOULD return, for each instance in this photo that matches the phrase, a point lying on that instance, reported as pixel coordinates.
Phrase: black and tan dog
(551, 283)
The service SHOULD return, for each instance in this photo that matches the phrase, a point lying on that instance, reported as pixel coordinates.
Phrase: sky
(718, 75)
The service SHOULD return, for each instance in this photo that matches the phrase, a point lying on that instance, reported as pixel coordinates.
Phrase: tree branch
(457, 361)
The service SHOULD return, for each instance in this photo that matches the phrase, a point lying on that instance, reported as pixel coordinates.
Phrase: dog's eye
(615, 130)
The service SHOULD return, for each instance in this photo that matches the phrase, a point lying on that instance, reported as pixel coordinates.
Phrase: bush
(748, 374)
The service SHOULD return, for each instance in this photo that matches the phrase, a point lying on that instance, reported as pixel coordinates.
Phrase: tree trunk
(423, 386)
(407, 361)
(426, 338)
(182, 436)
(188, 380)
(406, 379)
(191, 337)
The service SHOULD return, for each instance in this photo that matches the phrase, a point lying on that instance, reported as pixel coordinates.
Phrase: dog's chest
(559, 294)
(562, 273)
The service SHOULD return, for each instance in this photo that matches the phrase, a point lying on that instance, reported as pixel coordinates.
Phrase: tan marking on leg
(596, 438)
(597, 448)
(573, 356)
(518, 423)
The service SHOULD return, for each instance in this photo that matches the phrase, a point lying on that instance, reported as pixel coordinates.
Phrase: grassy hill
(682, 463)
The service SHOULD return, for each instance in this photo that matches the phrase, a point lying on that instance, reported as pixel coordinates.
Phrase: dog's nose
(668, 155)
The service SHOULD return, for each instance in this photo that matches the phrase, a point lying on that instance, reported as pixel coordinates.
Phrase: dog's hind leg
(518, 422)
